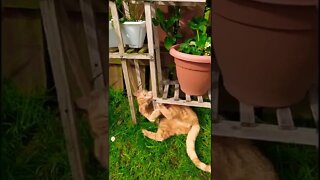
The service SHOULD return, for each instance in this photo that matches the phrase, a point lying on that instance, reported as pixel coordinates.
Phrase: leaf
(159, 15)
(169, 41)
(155, 21)
(179, 35)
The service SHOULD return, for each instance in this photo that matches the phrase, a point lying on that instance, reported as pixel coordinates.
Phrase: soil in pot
(266, 52)
(193, 72)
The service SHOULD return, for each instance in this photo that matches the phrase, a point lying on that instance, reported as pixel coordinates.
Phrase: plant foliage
(169, 25)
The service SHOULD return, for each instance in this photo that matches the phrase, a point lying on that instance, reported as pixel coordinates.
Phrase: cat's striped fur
(176, 120)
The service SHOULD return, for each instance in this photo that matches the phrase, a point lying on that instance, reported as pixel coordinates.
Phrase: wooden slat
(174, 82)
(92, 43)
(137, 68)
(314, 103)
(176, 92)
(265, 132)
(147, 10)
(126, 9)
(129, 56)
(128, 87)
(157, 50)
(188, 98)
(284, 118)
(116, 25)
(200, 99)
(183, 102)
(71, 51)
(247, 117)
(66, 108)
(165, 92)
(209, 94)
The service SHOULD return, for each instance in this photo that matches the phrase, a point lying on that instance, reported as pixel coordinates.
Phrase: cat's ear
(83, 102)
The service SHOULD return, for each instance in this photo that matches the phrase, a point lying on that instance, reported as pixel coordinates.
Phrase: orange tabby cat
(239, 159)
(95, 106)
(177, 120)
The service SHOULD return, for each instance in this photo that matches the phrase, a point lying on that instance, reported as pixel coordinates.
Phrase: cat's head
(143, 96)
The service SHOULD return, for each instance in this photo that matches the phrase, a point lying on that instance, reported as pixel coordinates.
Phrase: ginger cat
(239, 159)
(177, 120)
(95, 106)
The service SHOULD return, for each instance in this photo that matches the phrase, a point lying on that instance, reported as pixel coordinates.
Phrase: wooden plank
(126, 9)
(166, 89)
(129, 56)
(174, 82)
(183, 102)
(147, 10)
(284, 118)
(71, 5)
(92, 42)
(71, 51)
(265, 132)
(200, 99)
(116, 77)
(209, 94)
(129, 92)
(314, 103)
(66, 108)
(188, 98)
(116, 25)
(176, 92)
(165, 92)
(157, 50)
(247, 117)
(136, 64)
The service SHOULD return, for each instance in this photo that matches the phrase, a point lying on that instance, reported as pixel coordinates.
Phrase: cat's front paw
(145, 132)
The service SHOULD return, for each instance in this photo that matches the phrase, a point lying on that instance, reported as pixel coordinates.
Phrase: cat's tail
(191, 139)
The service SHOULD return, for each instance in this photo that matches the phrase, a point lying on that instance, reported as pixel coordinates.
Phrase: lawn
(32, 139)
(33, 146)
(134, 156)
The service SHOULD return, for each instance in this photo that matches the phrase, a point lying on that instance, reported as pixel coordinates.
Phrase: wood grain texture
(307, 136)
(129, 91)
(66, 108)
(284, 118)
(247, 117)
(92, 42)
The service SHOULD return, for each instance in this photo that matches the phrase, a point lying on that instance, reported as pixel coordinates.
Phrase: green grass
(291, 161)
(134, 156)
(33, 146)
(32, 139)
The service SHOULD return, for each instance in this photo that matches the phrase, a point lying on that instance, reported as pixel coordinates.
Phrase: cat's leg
(164, 111)
(160, 135)
(154, 115)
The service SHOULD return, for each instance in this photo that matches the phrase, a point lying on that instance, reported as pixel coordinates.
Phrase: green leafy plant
(135, 11)
(201, 43)
(169, 25)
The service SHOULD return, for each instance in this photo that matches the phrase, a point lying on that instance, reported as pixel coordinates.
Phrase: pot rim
(188, 57)
(134, 22)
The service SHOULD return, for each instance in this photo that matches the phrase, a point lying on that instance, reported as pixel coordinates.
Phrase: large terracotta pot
(267, 52)
(193, 72)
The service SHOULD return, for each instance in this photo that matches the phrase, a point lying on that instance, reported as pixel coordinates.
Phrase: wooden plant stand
(153, 56)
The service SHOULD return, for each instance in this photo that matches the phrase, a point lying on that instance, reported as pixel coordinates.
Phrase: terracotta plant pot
(267, 52)
(193, 72)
